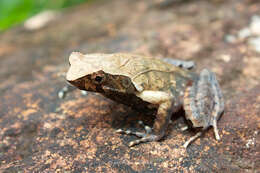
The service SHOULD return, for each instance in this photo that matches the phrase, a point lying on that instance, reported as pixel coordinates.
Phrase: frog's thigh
(180, 63)
(208, 80)
(203, 102)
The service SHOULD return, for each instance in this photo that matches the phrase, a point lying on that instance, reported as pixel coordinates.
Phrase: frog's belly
(133, 101)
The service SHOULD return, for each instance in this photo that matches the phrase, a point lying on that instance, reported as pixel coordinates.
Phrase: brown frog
(151, 85)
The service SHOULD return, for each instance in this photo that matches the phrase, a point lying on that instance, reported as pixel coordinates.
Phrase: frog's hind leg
(180, 63)
(218, 102)
(147, 129)
(203, 103)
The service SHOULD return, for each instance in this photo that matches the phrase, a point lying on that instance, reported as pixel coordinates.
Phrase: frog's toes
(146, 136)
(65, 90)
(129, 132)
(84, 93)
(147, 129)
(215, 128)
(62, 93)
(193, 138)
(184, 128)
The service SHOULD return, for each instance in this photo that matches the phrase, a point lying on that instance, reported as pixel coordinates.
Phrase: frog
(153, 87)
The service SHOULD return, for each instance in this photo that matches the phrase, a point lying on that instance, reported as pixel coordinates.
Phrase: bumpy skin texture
(151, 86)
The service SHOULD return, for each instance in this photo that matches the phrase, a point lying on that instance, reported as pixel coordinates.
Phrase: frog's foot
(67, 89)
(184, 128)
(193, 138)
(146, 136)
(180, 63)
(204, 103)
(83, 92)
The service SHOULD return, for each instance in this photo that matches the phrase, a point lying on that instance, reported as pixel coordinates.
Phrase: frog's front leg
(67, 89)
(165, 110)
(204, 103)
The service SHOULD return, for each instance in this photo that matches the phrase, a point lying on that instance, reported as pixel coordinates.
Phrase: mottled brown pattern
(137, 81)
(122, 76)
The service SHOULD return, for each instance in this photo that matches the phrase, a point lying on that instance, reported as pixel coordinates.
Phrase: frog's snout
(79, 83)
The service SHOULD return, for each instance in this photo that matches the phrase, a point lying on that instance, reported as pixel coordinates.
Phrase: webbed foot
(146, 136)
(204, 103)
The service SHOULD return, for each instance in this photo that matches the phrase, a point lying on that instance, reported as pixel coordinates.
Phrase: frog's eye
(98, 79)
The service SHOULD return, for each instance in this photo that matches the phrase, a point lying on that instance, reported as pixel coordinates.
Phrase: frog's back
(150, 73)
(134, 64)
(146, 73)
(128, 64)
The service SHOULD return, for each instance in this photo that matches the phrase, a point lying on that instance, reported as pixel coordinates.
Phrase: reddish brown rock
(39, 132)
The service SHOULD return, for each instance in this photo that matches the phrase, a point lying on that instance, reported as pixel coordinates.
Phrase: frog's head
(94, 72)
(85, 73)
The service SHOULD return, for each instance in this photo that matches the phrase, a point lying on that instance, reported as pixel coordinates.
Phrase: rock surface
(40, 132)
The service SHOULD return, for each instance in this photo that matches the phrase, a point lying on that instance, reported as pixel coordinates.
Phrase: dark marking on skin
(119, 83)
(133, 101)
(116, 87)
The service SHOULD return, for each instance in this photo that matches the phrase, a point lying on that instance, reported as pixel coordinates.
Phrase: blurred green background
(16, 11)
